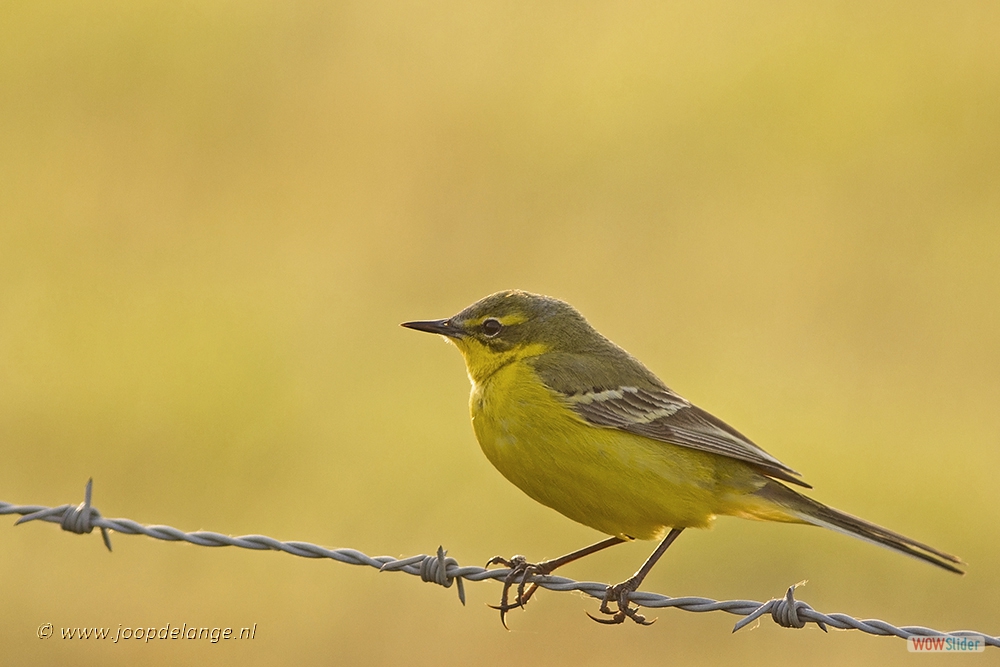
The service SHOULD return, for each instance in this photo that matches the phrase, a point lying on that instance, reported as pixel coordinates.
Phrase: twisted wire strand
(444, 570)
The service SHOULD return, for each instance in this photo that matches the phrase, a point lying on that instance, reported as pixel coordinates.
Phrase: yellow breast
(616, 482)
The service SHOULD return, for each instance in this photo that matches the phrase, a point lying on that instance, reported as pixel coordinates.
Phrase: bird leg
(619, 593)
(521, 571)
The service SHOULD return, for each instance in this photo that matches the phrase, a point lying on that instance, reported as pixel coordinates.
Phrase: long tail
(809, 511)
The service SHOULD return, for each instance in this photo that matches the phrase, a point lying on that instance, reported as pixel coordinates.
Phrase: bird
(583, 427)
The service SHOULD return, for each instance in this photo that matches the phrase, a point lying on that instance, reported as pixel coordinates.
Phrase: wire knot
(434, 569)
(80, 519)
(784, 611)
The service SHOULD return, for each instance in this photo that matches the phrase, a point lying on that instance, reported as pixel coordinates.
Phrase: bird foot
(520, 572)
(619, 595)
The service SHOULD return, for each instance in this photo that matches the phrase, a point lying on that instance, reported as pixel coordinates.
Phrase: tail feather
(809, 511)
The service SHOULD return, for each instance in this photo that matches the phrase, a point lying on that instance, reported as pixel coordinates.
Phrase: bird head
(512, 325)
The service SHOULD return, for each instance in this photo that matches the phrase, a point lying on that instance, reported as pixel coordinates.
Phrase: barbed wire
(445, 571)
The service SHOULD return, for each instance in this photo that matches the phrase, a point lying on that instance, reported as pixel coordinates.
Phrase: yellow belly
(616, 482)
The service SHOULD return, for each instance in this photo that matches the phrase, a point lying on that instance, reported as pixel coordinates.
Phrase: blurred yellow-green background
(214, 215)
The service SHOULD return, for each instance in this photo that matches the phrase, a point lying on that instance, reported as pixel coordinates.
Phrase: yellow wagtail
(583, 427)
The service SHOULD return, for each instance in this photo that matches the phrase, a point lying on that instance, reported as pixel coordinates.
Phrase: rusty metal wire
(441, 569)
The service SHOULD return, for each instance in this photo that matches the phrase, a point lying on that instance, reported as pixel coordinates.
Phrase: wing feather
(660, 414)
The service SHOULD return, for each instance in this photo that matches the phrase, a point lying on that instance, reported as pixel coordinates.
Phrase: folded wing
(660, 414)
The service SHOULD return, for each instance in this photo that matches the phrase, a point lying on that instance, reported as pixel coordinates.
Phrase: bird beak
(443, 327)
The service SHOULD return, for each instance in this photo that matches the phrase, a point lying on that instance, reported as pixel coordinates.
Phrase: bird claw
(619, 595)
(520, 572)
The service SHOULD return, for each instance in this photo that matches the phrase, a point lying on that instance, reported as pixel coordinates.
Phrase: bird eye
(491, 327)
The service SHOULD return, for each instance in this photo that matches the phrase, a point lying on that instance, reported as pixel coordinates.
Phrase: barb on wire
(445, 570)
